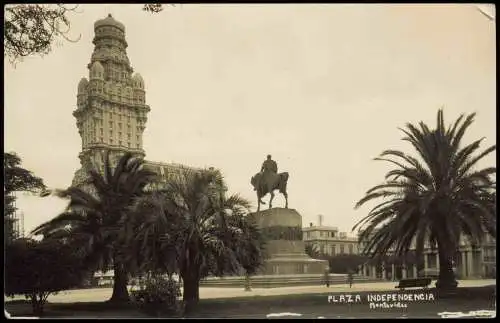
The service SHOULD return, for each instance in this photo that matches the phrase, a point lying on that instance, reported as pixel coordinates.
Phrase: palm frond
(431, 203)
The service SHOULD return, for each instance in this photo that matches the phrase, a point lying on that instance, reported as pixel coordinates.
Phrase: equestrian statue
(268, 180)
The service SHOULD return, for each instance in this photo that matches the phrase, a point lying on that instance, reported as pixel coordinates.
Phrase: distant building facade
(469, 262)
(328, 240)
(478, 262)
(111, 111)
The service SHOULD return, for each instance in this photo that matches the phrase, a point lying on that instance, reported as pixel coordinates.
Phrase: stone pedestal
(285, 248)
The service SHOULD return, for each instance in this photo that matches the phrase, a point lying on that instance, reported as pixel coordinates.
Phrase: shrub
(158, 295)
(38, 269)
(345, 263)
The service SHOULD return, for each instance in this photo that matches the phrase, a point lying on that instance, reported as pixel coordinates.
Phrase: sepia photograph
(250, 161)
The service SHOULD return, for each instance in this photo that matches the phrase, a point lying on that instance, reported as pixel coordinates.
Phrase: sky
(322, 88)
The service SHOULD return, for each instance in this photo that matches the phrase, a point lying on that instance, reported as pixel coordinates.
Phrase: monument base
(293, 266)
(276, 281)
(286, 262)
(285, 249)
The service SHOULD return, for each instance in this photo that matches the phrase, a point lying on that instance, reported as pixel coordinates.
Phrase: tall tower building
(111, 111)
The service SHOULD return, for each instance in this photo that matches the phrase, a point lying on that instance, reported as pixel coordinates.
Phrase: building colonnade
(467, 264)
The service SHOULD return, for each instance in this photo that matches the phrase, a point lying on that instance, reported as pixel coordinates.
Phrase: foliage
(158, 295)
(345, 263)
(193, 228)
(9, 208)
(410, 258)
(38, 269)
(31, 29)
(313, 251)
(16, 179)
(153, 7)
(339, 264)
(97, 225)
(9, 229)
(282, 233)
(436, 197)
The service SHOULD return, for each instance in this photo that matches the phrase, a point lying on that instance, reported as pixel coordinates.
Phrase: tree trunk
(446, 280)
(120, 280)
(419, 261)
(191, 290)
(37, 304)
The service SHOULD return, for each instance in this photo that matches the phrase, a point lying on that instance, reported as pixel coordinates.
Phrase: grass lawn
(75, 310)
(313, 305)
(309, 305)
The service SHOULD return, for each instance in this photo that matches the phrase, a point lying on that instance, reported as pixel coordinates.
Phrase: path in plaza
(102, 294)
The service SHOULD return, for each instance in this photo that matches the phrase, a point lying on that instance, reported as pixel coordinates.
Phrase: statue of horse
(268, 184)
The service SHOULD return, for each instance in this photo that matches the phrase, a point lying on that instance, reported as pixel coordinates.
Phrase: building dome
(82, 85)
(109, 21)
(138, 81)
(96, 70)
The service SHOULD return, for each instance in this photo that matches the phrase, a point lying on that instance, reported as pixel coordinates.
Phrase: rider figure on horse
(269, 171)
(268, 180)
(269, 165)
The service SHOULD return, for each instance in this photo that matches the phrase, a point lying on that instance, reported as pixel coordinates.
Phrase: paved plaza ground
(246, 304)
(102, 294)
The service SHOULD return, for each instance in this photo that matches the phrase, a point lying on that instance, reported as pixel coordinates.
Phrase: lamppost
(327, 276)
(248, 286)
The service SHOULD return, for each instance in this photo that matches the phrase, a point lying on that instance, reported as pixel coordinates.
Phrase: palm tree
(192, 228)
(435, 198)
(96, 224)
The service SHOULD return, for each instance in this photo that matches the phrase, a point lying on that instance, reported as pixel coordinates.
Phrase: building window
(351, 247)
(128, 144)
(120, 125)
(101, 131)
(333, 250)
(137, 137)
(111, 133)
(128, 136)
(111, 141)
(120, 143)
(102, 140)
(138, 146)
(111, 124)
(341, 249)
(120, 134)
